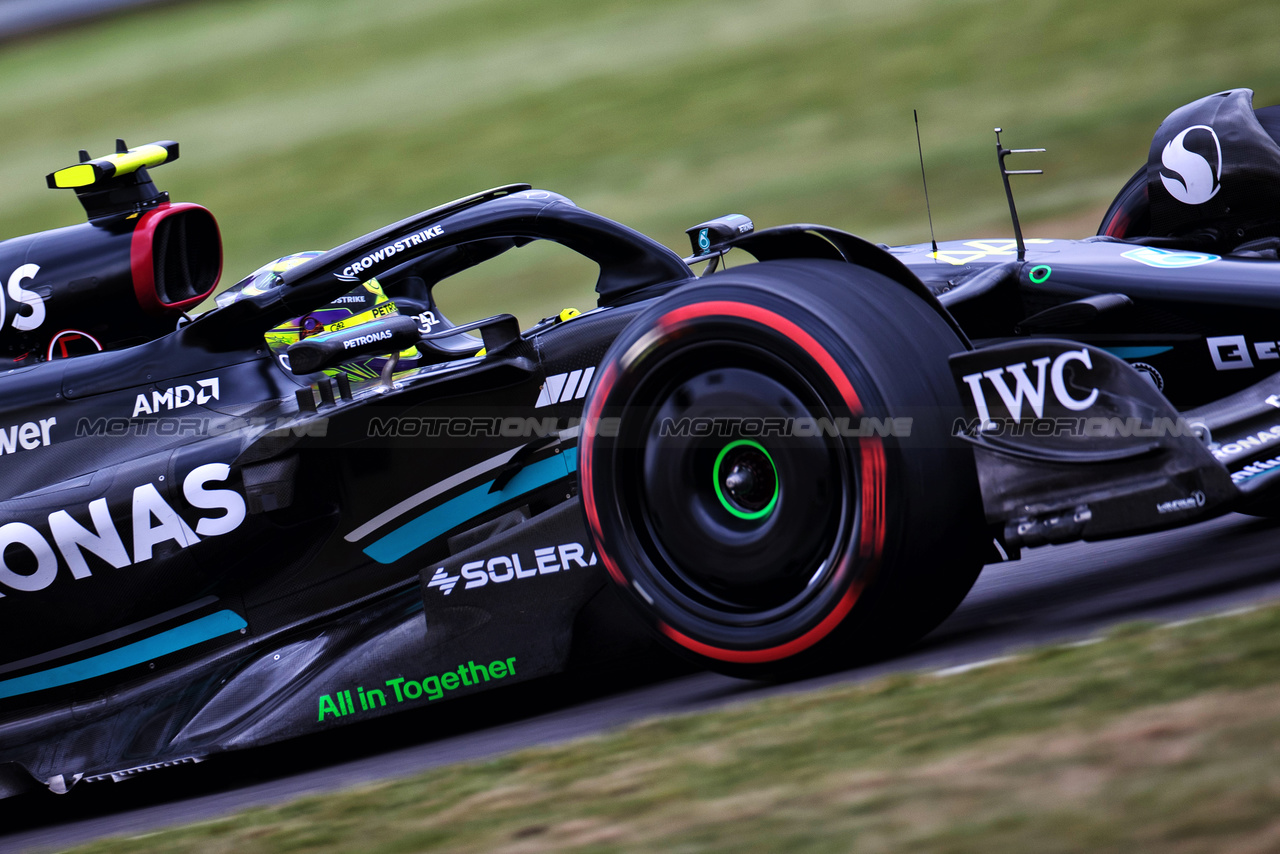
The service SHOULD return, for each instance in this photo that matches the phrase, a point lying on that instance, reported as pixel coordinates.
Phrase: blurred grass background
(307, 123)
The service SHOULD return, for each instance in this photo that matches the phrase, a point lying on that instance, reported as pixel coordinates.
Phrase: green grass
(1157, 739)
(307, 123)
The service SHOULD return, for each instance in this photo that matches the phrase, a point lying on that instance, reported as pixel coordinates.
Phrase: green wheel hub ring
(749, 515)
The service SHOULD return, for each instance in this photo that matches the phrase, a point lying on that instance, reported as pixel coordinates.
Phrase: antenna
(920, 149)
(1001, 153)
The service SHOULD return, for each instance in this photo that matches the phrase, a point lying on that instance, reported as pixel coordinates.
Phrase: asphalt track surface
(1054, 594)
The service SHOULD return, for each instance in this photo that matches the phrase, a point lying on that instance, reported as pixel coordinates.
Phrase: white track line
(975, 665)
(987, 662)
(1234, 612)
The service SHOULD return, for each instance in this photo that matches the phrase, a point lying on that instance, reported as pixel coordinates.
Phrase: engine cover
(119, 280)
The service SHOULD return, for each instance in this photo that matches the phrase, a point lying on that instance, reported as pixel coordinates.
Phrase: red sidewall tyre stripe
(590, 422)
(790, 648)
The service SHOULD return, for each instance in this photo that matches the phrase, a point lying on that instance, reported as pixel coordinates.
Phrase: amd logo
(176, 397)
(1028, 391)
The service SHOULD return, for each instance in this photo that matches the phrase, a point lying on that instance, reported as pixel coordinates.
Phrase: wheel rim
(735, 529)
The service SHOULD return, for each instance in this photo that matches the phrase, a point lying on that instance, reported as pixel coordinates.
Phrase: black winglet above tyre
(1073, 443)
(767, 470)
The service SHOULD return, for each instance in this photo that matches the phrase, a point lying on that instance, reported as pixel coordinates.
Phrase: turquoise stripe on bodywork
(470, 504)
(156, 646)
(1136, 352)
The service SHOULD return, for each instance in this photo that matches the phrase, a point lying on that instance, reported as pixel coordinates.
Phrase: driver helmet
(363, 303)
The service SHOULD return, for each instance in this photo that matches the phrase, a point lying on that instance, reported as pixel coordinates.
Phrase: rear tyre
(768, 471)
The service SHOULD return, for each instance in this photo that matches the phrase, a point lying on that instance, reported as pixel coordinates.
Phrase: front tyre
(768, 472)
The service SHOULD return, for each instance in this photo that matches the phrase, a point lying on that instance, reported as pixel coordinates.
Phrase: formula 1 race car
(322, 501)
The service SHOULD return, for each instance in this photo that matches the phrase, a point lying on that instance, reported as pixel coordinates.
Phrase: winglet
(92, 172)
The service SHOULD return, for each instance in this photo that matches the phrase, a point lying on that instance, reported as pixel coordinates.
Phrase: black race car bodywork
(215, 537)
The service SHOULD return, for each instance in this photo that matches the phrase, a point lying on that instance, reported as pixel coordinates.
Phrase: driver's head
(363, 303)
